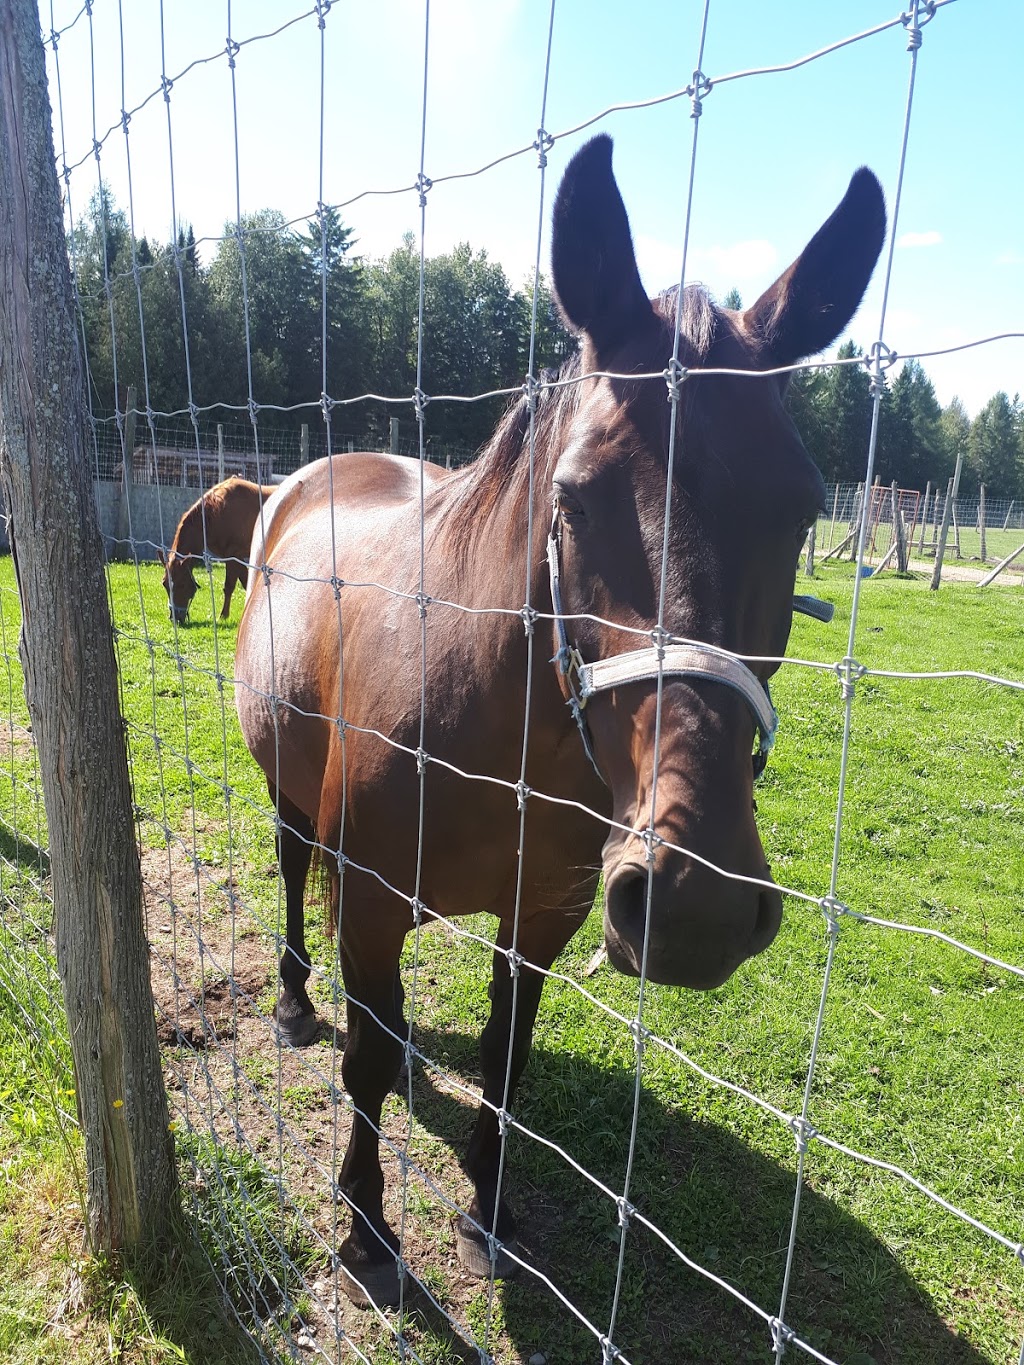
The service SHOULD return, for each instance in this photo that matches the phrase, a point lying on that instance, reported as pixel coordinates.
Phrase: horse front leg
(233, 573)
(369, 1069)
(297, 1022)
(516, 988)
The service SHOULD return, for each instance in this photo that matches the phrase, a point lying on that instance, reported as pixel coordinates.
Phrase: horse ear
(810, 304)
(593, 266)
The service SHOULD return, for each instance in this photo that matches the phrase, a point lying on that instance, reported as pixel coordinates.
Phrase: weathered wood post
(394, 435)
(981, 521)
(304, 443)
(70, 676)
(924, 515)
(220, 452)
(899, 534)
(951, 492)
(809, 564)
(835, 509)
(122, 530)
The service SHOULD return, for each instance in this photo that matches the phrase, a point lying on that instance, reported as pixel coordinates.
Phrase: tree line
(309, 294)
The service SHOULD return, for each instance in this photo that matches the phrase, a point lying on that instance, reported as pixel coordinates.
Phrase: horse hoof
(475, 1258)
(371, 1285)
(297, 1030)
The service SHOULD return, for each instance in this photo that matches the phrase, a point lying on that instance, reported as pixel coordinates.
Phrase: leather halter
(583, 680)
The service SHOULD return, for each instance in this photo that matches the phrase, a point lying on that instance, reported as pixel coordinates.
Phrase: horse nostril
(626, 904)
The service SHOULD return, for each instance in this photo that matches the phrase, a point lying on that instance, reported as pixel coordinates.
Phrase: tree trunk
(70, 675)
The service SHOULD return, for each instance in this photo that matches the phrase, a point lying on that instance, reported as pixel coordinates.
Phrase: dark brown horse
(220, 522)
(335, 721)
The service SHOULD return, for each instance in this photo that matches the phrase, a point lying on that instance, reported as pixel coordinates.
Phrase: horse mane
(502, 468)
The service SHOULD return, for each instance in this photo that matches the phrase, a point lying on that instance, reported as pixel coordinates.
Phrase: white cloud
(912, 239)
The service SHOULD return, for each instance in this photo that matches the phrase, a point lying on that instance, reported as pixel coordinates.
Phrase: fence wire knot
(543, 145)
(522, 792)
(609, 1351)
(54, 38)
(914, 21)
(699, 88)
(503, 1117)
(423, 184)
(422, 759)
(423, 601)
(232, 49)
(803, 1132)
(252, 407)
(514, 960)
(419, 402)
(326, 405)
(781, 1334)
(833, 910)
(323, 8)
(193, 412)
(639, 1033)
(528, 616)
(674, 374)
(849, 673)
(416, 906)
(625, 1211)
(126, 118)
(532, 389)
(879, 359)
(166, 85)
(651, 840)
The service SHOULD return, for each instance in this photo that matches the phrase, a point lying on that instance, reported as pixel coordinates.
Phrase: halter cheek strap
(583, 680)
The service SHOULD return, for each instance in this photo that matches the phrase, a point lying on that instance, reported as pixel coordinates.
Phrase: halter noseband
(693, 660)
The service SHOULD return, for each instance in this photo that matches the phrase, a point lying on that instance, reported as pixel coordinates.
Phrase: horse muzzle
(701, 926)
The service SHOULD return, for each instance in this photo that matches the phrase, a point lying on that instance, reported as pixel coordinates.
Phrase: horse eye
(567, 505)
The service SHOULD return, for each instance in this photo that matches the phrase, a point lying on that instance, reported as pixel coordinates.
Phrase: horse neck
(188, 539)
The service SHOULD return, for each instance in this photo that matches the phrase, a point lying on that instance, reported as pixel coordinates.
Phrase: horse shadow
(723, 1204)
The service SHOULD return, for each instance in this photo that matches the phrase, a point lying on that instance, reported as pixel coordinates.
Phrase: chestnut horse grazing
(334, 720)
(222, 522)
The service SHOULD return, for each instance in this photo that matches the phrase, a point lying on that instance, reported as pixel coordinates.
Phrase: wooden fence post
(122, 529)
(924, 515)
(899, 535)
(981, 521)
(951, 492)
(811, 536)
(304, 443)
(70, 676)
(220, 452)
(394, 435)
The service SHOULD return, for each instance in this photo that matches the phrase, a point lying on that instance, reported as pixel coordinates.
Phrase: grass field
(919, 1063)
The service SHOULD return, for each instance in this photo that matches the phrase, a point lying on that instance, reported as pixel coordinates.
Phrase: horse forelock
(698, 320)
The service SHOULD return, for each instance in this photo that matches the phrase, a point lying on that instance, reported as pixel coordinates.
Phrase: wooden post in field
(858, 507)
(122, 530)
(1009, 514)
(924, 514)
(70, 676)
(956, 530)
(835, 509)
(304, 443)
(899, 535)
(981, 521)
(951, 492)
(220, 452)
(809, 564)
(394, 435)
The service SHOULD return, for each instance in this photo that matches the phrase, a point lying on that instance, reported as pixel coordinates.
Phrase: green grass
(919, 1062)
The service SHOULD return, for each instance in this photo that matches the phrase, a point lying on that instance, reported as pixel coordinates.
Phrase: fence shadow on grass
(724, 1204)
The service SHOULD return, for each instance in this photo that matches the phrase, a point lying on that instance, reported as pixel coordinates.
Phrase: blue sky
(774, 155)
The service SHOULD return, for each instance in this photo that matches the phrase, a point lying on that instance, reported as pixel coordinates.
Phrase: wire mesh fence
(263, 1126)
